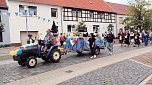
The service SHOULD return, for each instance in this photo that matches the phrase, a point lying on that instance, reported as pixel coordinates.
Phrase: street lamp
(26, 9)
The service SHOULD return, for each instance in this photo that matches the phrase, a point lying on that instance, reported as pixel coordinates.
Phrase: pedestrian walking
(92, 45)
(61, 39)
(127, 38)
(146, 36)
(142, 35)
(137, 39)
(132, 39)
(151, 39)
(121, 37)
(110, 39)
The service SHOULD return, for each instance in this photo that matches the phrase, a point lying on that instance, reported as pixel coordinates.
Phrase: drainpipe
(61, 20)
(116, 25)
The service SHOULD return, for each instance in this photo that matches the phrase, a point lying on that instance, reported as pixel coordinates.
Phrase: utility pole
(25, 8)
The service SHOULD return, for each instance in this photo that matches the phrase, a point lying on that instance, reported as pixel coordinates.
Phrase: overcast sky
(118, 1)
(121, 1)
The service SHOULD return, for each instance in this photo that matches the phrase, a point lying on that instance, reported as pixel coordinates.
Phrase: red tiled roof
(98, 5)
(119, 8)
(3, 3)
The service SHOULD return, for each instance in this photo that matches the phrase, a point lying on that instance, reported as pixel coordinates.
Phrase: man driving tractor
(48, 40)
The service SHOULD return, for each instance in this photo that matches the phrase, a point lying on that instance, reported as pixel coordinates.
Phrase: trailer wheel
(55, 56)
(31, 62)
(79, 53)
(97, 51)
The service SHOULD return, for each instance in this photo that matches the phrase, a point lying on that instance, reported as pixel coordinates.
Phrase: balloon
(40, 33)
(16, 52)
(19, 52)
(102, 38)
(71, 35)
(72, 38)
(95, 34)
(12, 53)
(75, 40)
(64, 43)
(101, 41)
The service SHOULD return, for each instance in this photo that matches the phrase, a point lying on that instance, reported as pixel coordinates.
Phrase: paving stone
(132, 74)
(15, 72)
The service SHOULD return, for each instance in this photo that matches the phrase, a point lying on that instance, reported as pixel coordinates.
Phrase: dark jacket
(110, 38)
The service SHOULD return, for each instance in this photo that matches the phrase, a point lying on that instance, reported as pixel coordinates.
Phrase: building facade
(121, 11)
(66, 14)
(18, 26)
(4, 20)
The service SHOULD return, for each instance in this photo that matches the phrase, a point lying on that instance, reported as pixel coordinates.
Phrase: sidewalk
(69, 72)
(5, 51)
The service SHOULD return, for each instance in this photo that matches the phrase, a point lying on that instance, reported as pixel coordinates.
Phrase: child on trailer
(56, 40)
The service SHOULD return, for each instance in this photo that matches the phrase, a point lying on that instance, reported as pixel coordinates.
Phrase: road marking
(140, 63)
(146, 80)
(149, 77)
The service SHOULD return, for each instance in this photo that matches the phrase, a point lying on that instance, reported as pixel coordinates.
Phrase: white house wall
(89, 25)
(118, 22)
(18, 23)
(6, 33)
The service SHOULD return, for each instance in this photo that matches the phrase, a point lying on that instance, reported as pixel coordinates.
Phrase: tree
(140, 15)
(110, 27)
(1, 27)
(82, 27)
(82, 24)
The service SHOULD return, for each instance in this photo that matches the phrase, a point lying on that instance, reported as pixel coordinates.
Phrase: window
(1, 37)
(54, 12)
(31, 10)
(69, 28)
(70, 14)
(96, 28)
(74, 13)
(21, 10)
(120, 20)
(79, 13)
(91, 14)
(99, 15)
(0, 16)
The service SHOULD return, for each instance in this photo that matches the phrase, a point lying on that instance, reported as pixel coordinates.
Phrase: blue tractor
(31, 52)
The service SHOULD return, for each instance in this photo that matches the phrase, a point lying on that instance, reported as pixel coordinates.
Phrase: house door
(96, 28)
